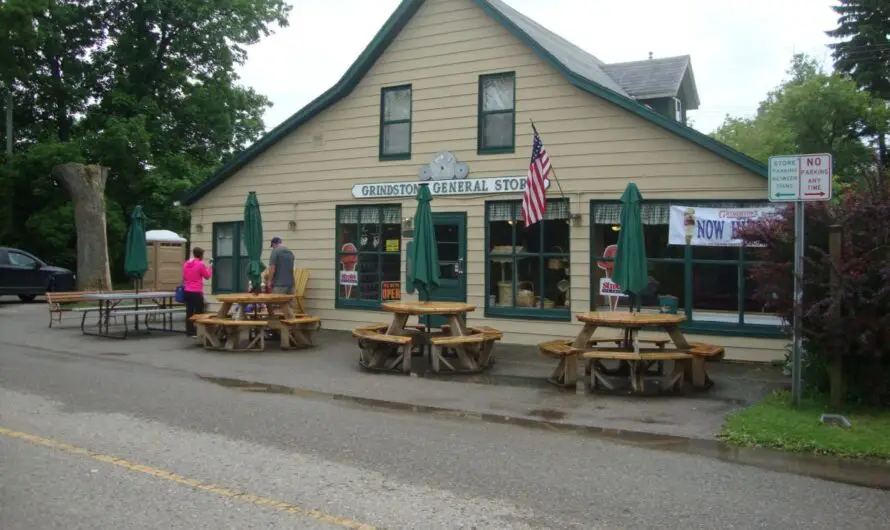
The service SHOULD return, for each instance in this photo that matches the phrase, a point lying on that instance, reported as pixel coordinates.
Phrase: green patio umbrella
(630, 270)
(135, 252)
(253, 240)
(425, 268)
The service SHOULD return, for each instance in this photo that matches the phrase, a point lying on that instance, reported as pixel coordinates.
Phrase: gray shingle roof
(573, 57)
(651, 78)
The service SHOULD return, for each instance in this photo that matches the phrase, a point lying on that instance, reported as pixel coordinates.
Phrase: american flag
(534, 201)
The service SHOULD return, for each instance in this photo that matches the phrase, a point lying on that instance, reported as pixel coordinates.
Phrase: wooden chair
(301, 279)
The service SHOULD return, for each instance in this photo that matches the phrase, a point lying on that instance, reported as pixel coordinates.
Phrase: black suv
(24, 275)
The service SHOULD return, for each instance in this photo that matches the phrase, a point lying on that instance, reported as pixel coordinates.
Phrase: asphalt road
(97, 443)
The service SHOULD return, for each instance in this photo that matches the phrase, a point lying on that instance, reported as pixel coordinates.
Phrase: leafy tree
(811, 112)
(864, 51)
(146, 88)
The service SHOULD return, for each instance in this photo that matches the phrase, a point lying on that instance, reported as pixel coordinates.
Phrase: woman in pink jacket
(194, 272)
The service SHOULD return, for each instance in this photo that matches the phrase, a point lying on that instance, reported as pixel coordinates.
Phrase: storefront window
(229, 260)
(528, 267)
(369, 244)
(711, 285)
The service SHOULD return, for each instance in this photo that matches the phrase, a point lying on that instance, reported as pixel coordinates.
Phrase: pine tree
(863, 52)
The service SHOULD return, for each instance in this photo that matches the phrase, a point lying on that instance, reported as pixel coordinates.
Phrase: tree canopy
(812, 111)
(863, 51)
(147, 88)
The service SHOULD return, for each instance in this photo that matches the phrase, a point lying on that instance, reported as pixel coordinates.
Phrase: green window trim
(239, 259)
(382, 210)
(524, 313)
(481, 148)
(384, 123)
(706, 327)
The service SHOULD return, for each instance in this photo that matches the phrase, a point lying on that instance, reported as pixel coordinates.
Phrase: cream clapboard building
(447, 91)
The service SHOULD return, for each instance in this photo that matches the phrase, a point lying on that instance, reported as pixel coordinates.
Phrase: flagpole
(552, 169)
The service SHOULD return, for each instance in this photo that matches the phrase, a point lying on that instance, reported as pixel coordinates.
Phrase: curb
(864, 473)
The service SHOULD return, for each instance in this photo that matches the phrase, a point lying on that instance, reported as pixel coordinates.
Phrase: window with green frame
(229, 258)
(712, 285)
(369, 243)
(395, 123)
(527, 268)
(497, 113)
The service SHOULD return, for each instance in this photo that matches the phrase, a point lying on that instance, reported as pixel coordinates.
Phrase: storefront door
(451, 243)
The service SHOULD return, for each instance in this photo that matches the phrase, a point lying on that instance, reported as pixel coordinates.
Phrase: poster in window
(712, 227)
(392, 245)
(391, 290)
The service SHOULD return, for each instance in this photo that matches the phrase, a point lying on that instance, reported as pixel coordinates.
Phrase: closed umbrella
(253, 241)
(630, 270)
(135, 251)
(425, 267)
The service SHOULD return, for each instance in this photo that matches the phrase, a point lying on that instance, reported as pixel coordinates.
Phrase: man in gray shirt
(281, 268)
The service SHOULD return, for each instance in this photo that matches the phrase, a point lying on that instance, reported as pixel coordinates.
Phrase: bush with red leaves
(856, 325)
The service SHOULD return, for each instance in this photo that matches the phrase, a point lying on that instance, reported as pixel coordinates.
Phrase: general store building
(445, 93)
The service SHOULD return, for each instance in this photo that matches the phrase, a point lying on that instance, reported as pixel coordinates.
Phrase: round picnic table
(295, 330)
(461, 349)
(635, 355)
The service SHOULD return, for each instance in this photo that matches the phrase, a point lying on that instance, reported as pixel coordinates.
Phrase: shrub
(855, 325)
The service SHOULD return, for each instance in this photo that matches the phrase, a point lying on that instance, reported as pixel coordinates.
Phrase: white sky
(740, 49)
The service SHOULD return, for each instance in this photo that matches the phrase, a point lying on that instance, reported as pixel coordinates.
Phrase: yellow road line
(197, 484)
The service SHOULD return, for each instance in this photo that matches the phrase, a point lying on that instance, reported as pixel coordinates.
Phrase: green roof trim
(390, 30)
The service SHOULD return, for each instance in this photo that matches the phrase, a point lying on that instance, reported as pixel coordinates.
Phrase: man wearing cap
(281, 269)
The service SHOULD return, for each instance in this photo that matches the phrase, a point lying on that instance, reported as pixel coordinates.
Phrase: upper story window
(497, 113)
(678, 110)
(395, 123)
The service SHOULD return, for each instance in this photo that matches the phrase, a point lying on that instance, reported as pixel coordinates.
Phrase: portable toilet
(166, 255)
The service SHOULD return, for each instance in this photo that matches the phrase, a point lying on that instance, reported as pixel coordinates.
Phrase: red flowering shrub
(856, 324)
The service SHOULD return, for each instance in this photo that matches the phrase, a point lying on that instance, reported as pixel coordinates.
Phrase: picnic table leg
(677, 337)
(571, 367)
(224, 309)
(397, 326)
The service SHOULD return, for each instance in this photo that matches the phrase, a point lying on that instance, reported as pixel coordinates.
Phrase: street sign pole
(797, 326)
(799, 179)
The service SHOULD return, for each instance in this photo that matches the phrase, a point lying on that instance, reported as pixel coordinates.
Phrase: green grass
(774, 423)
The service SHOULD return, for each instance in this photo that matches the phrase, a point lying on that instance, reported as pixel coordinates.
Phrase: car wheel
(27, 298)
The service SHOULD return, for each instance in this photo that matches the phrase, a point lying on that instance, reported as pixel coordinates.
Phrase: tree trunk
(86, 184)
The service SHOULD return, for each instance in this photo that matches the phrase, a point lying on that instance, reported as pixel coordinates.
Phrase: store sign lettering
(443, 187)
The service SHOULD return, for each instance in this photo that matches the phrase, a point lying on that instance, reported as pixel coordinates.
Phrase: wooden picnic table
(295, 329)
(638, 354)
(460, 348)
(160, 304)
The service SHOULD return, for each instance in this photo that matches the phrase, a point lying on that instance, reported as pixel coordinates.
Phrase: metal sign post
(799, 179)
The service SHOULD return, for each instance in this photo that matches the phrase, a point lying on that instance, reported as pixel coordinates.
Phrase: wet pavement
(513, 392)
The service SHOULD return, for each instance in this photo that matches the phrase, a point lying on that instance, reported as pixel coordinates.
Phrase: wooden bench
(377, 349)
(57, 300)
(298, 331)
(660, 343)
(215, 328)
(490, 333)
(474, 351)
(639, 366)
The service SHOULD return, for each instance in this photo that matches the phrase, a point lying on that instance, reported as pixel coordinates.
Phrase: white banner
(712, 227)
(349, 278)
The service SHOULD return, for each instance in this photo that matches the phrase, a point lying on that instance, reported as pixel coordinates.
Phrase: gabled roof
(654, 78)
(580, 68)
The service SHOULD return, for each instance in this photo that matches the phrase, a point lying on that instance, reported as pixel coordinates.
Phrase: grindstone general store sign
(445, 176)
